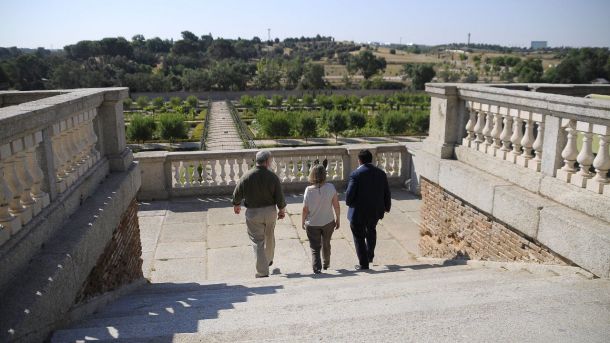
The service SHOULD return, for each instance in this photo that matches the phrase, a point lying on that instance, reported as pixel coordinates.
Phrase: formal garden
(402, 113)
(157, 120)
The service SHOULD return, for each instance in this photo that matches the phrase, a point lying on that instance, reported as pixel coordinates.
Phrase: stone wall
(453, 229)
(121, 262)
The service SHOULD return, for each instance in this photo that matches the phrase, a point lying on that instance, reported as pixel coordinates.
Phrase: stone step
(307, 305)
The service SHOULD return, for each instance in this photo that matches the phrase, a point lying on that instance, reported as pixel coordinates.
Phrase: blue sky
(55, 23)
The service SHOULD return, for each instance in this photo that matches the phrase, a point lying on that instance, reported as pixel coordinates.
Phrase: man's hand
(281, 214)
(337, 224)
(236, 209)
(303, 227)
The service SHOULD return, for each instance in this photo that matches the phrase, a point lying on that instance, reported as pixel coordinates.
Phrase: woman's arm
(303, 216)
(337, 211)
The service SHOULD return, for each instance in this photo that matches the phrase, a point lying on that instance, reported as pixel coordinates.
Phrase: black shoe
(260, 276)
(359, 267)
(270, 263)
(317, 271)
(325, 267)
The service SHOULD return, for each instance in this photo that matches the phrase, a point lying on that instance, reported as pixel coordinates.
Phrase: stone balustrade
(548, 133)
(517, 165)
(48, 143)
(169, 174)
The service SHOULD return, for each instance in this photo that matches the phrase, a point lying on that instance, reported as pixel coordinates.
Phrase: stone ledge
(578, 237)
(519, 208)
(473, 186)
(40, 297)
(17, 252)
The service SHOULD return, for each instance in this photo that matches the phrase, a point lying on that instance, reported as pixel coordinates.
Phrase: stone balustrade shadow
(156, 312)
(390, 268)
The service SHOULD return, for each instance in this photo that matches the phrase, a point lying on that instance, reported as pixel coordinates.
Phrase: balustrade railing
(567, 137)
(505, 132)
(47, 145)
(212, 172)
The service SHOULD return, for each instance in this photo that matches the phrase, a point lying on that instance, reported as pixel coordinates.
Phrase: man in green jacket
(261, 191)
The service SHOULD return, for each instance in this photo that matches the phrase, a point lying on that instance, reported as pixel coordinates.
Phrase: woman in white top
(318, 203)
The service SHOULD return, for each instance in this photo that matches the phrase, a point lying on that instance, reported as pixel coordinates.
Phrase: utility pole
(400, 41)
(468, 39)
(269, 35)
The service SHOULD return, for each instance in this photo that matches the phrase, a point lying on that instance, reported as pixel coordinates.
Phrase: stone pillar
(156, 181)
(554, 141)
(112, 126)
(47, 164)
(446, 122)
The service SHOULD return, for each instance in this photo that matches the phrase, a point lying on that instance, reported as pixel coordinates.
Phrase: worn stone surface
(473, 186)
(580, 238)
(519, 208)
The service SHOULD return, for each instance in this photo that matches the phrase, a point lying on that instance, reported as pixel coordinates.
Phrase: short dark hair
(365, 156)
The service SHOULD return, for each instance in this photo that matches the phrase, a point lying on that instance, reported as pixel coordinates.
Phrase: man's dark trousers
(365, 239)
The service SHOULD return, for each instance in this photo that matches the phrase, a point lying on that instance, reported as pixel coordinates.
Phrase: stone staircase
(423, 302)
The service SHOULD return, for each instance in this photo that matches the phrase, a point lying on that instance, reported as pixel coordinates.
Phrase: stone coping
(563, 106)
(23, 118)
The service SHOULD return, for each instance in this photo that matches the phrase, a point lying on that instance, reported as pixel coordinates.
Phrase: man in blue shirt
(368, 198)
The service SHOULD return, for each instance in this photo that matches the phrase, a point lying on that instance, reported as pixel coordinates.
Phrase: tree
(366, 63)
(172, 126)
(175, 101)
(419, 74)
(294, 72)
(324, 101)
(268, 74)
(306, 126)
(196, 80)
(313, 77)
(529, 70)
(307, 99)
(192, 101)
(337, 123)
(356, 120)
(276, 100)
(273, 123)
(141, 128)
(142, 101)
(292, 101)
(158, 102)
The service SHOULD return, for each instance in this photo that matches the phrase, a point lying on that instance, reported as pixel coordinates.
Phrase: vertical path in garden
(222, 134)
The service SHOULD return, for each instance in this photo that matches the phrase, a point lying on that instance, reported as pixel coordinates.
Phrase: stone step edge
(513, 266)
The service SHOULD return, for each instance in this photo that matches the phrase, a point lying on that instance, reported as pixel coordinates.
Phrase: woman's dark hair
(365, 156)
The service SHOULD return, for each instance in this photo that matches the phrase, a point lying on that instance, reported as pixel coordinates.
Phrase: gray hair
(262, 156)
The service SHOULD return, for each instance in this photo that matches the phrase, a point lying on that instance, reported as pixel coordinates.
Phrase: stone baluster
(332, 168)
(283, 165)
(195, 175)
(304, 162)
(569, 152)
(16, 208)
(295, 168)
(81, 158)
(527, 141)
(396, 164)
(505, 135)
(7, 219)
(341, 169)
(8, 223)
(222, 162)
(204, 173)
(41, 198)
(26, 180)
(470, 134)
(585, 156)
(240, 168)
(214, 171)
(536, 163)
(488, 139)
(478, 129)
(74, 147)
(186, 166)
(515, 139)
(92, 139)
(59, 159)
(176, 174)
(495, 133)
(231, 162)
(600, 182)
